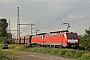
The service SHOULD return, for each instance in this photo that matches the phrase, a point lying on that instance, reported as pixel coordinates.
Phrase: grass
(69, 53)
(6, 54)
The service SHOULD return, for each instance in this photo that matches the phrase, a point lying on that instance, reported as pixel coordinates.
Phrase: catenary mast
(18, 26)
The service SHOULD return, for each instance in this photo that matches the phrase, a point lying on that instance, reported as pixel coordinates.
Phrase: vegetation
(4, 38)
(69, 53)
(3, 27)
(5, 55)
(85, 40)
(3, 31)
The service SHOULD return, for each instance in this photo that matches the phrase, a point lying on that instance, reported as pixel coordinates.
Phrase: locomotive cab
(72, 39)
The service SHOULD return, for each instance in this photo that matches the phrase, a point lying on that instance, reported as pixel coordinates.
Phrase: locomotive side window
(71, 35)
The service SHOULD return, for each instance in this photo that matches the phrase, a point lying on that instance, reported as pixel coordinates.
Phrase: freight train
(53, 39)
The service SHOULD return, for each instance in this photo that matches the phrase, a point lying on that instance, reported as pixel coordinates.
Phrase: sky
(47, 15)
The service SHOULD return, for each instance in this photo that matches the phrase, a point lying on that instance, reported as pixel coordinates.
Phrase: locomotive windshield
(71, 35)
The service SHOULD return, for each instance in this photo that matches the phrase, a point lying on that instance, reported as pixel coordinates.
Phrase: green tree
(85, 40)
(88, 39)
(3, 31)
(3, 27)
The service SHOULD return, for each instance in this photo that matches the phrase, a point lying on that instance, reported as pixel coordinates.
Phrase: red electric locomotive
(63, 39)
(55, 39)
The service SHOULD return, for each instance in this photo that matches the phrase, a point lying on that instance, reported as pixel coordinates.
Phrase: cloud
(48, 14)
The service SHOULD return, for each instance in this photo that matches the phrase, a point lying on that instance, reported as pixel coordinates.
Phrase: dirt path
(38, 56)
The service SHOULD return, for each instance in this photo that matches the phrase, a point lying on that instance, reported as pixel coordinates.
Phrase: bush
(85, 40)
(5, 40)
(74, 53)
(4, 55)
(85, 56)
(62, 52)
